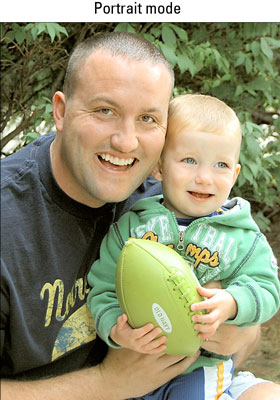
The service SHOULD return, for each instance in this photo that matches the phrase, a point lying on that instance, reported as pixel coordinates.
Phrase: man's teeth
(116, 160)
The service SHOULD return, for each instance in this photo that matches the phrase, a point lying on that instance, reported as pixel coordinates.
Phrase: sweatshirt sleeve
(102, 299)
(256, 290)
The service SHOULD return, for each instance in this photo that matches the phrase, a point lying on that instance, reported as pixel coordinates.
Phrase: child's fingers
(155, 350)
(143, 331)
(204, 336)
(206, 330)
(156, 342)
(208, 293)
(155, 346)
(205, 305)
(209, 318)
(198, 306)
(150, 337)
(121, 321)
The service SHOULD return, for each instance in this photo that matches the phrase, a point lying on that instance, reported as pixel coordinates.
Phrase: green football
(155, 284)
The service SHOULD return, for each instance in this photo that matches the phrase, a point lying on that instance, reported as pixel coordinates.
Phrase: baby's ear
(156, 173)
(236, 172)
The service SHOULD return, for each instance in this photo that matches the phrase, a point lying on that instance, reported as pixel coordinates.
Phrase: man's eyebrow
(111, 102)
(104, 99)
(152, 110)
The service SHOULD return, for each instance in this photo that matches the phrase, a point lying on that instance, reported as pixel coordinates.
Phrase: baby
(198, 168)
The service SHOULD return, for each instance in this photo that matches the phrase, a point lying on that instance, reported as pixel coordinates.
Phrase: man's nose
(125, 139)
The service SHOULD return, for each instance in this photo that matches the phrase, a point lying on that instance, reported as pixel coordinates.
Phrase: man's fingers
(169, 360)
(178, 367)
(151, 371)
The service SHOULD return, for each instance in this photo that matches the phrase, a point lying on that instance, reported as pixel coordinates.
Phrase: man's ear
(59, 105)
(157, 172)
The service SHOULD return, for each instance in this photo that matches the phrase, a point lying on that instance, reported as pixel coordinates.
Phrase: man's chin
(118, 196)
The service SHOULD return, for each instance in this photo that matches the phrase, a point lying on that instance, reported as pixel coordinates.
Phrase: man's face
(112, 129)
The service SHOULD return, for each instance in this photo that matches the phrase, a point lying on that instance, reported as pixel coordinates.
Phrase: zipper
(180, 245)
(118, 233)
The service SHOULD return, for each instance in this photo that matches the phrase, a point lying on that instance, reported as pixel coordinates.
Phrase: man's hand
(220, 305)
(231, 339)
(123, 374)
(142, 339)
(132, 374)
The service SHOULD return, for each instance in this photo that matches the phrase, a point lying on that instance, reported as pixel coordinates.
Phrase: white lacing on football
(181, 285)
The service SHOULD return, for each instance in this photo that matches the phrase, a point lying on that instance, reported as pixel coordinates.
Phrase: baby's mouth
(201, 195)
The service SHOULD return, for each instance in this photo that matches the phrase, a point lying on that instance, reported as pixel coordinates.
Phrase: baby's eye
(147, 118)
(221, 164)
(189, 160)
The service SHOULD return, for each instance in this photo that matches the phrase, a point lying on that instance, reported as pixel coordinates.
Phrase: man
(59, 197)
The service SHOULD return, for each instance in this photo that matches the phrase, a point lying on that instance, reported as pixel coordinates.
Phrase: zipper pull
(180, 245)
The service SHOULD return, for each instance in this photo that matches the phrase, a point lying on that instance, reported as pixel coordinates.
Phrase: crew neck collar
(56, 193)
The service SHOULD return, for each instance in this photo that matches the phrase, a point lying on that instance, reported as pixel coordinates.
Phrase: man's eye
(147, 118)
(221, 164)
(105, 111)
(189, 160)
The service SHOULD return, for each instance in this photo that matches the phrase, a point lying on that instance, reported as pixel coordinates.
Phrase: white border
(190, 11)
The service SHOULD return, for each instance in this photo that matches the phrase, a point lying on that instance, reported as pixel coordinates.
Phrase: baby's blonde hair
(203, 113)
(200, 112)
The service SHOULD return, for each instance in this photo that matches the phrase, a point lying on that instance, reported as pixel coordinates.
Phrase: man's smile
(108, 159)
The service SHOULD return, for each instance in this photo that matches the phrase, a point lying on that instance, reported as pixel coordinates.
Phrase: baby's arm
(141, 339)
(220, 305)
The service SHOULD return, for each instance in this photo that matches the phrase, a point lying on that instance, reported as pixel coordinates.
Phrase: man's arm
(231, 339)
(125, 373)
(122, 374)
(249, 348)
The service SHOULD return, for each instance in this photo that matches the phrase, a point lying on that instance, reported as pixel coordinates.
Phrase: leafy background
(236, 62)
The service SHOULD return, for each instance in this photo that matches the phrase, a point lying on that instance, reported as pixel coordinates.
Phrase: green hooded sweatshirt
(228, 248)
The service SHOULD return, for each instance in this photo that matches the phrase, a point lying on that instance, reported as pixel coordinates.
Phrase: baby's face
(198, 170)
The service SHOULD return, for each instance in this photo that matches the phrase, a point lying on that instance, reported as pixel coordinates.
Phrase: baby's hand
(140, 339)
(220, 305)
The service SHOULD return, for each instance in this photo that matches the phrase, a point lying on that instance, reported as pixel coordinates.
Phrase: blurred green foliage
(236, 62)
